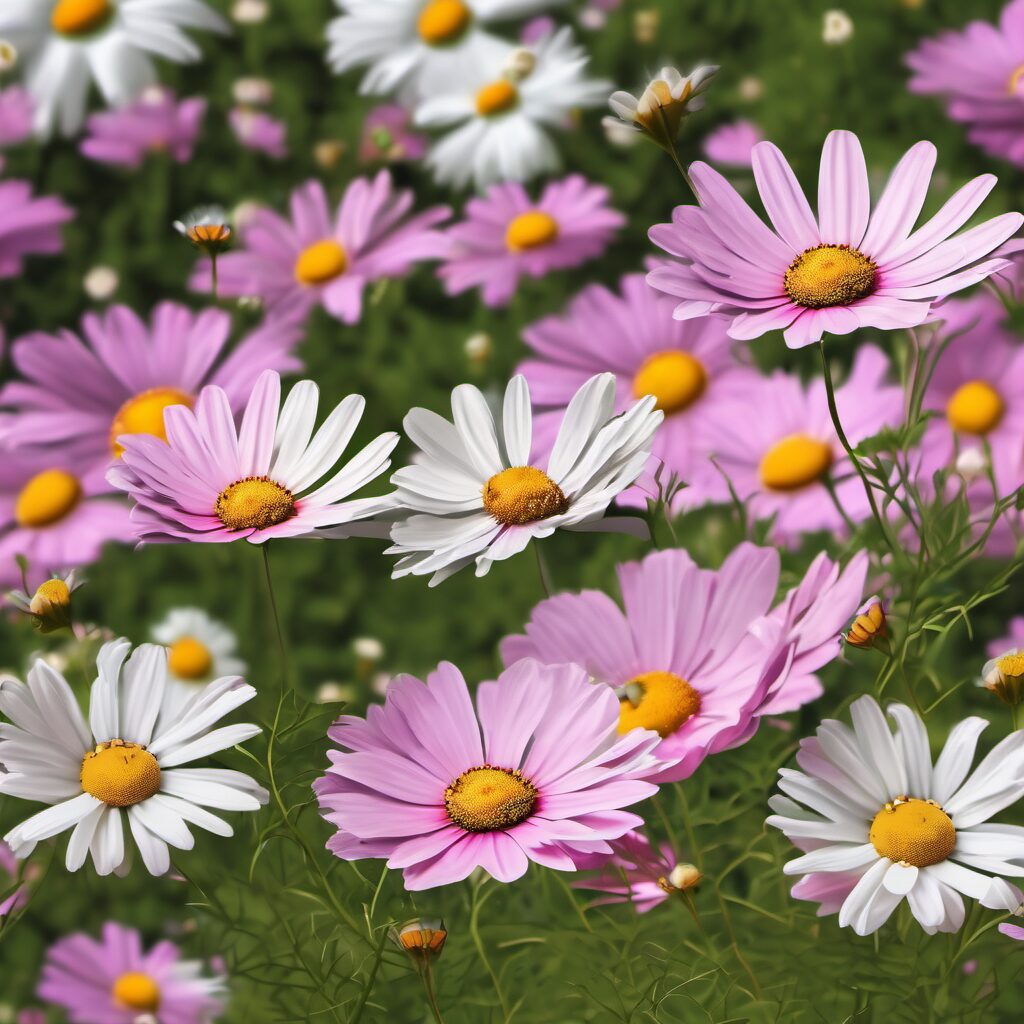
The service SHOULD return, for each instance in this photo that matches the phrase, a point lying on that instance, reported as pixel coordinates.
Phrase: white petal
(517, 422)
(108, 842)
(155, 854)
(219, 739)
(104, 718)
(840, 857)
(955, 760)
(900, 879)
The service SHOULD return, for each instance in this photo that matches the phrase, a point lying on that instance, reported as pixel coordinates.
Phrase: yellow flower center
(795, 462)
(136, 991)
(531, 230)
(321, 262)
(120, 773)
(975, 408)
(676, 379)
(443, 21)
(79, 17)
(1011, 665)
(661, 701)
(144, 414)
(487, 799)
(830, 275)
(496, 98)
(189, 659)
(523, 495)
(1014, 80)
(254, 504)
(47, 498)
(51, 594)
(913, 831)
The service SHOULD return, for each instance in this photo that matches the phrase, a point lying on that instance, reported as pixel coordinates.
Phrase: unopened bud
(422, 938)
(519, 65)
(8, 55)
(684, 876)
(478, 348)
(1004, 676)
(328, 153)
(101, 283)
(971, 464)
(869, 628)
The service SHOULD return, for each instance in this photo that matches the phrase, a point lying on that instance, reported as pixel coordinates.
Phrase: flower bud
(971, 464)
(50, 605)
(478, 348)
(101, 283)
(422, 938)
(8, 56)
(250, 12)
(869, 628)
(1004, 676)
(684, 876)
(837, 28)
(207, 228)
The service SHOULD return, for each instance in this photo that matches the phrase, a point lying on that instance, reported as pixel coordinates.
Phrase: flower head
(732, 145)
(1004, 676)
(50, 604)
(388, 137)
(422, 938)
(259, 132)
(29, 225)
(207, 227)
(664, 103)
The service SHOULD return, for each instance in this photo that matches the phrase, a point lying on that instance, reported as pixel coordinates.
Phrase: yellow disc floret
(136, 991)
(661, 701)
(531, 230)
(188, 658)
(523, 495)
(443, 21)
(830, 275)
(975, 408)
(675, 378)
(144, 414)
(487, 799)
(795, 462)
(119, 773)
(53, 594)
(913, 831)
(47, 498)
(496, 98)
(1011, 665)
(80, 17)
(254, 504)
(321, 262)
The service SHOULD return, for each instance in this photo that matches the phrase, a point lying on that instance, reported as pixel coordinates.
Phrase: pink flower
(732, 144)
(125, 372)
(439, 786)
(506, 236)
(687, 365)
(1013, 639)
(15, 116)
(28, 225)
(10, 900)
(259, 131)
(114, 980)
(155, 123)
(386, 136)
(636, 873)
(848, 268)
(1013, 931)
(320, 258)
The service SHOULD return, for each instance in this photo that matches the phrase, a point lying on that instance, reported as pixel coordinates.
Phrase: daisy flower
(847, 269)
(732, 145)
(906, 827)
(779, 448)
(663, 106)
(28, 225)
(388, 138)
(126, 763)
(320, 258)
(115, 980)
(49, 605)
(69, 43)
(475, 495)
(15, 116)
(440, 785)
(695, 654)
(687, 365)
(259, 132)
(499, 121)
(211, 483)
(506, 236)
(122, 373)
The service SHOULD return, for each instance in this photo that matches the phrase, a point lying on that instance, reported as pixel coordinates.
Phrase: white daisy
(475, 495)
(503, 116)
(126, 763)
(893, 825)
(69, 43)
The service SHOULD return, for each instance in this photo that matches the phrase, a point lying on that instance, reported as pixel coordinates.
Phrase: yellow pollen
(488, 799)
(208, 234)
(51, 594)
(1014, 80)
(795, 462)
(830, 275)
(119, 773)
(496, 98)
(254, 504)
(443, 21)
(47, 498)
(975, 408)
(523, 495)
(79, 17)
(531, 230)
(1011, 664)
(144, 414)
(321, 262)
(189, 659)
(661, 701)
(137, 991)
(913, 831)
(675, 378)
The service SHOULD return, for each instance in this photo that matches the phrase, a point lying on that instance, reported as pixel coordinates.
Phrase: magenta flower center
(975, 408)
(523, 494)
(47, 498)
(119, 773)
(830, 275)
(487, 799)
(675, 378)
(254, 504)
(661, 701)
(912, 831)
(136, 991)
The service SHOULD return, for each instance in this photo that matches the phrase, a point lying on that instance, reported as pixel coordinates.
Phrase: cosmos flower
(507, 236)
(475, 494)
(699, 655)
(665, 103)
(115, 980)
(387, 137)
(122, 373)
(877, 807)
(28, 225)
(259, 132)
(125, 764)
(155, 123)
(732, 145)
(15, 116)
(210, 482)
(67, 44)
(849, 268)
(440, 785)
(320, 258)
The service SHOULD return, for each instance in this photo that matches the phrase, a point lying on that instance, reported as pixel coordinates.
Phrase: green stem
(428, 986)
(213, 276)
(378, 956)
(542, 570)
(474, 931)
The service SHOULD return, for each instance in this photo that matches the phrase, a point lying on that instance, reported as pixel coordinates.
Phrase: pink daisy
(779, 448)
(28, 225)
(156, 123)
(125, 372)
(210, 482)
(15, 116)
(732, 145)
(387, 137)
(12, 895)
(1012, 931)
(848, 268)
(320, 258)
(695, 654)
(114, 980)
(532, 772)
(506, 236)
(687, 365)
(259, 132)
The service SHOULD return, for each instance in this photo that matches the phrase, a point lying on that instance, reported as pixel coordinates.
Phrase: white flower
(971, 464)
(101, 283)
(250, 12)
(66, 44)
(8, 56)
(474, 495)
(125, 764)
(667, 100)
(837, 28)
(368, 648)
(478, 348)
(896, 826)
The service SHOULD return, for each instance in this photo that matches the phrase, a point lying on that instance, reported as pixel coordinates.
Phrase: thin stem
(378, 956)
(474, 931)
(543, 571)
(281, 645)
(213, 275)
(670, 148)
(428, 985)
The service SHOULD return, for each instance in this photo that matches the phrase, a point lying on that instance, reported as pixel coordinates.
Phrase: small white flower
(667, 100)
(368, 648)
(101, 283)
(751, 88)
(250, 12)
(971, 464)
(1004, 676)
(254, 91)
(478, 347)
(837, 28)
(8, 56)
